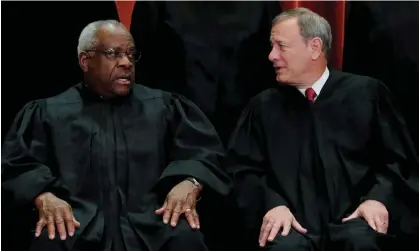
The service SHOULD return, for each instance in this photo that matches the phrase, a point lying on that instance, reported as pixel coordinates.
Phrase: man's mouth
(278, 68)
(123, 80)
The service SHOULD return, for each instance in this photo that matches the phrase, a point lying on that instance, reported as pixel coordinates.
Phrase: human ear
(84, 61)
(316, 45)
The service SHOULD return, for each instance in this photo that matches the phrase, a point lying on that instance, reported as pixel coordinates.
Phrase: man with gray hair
(325, 154)
(109, 164)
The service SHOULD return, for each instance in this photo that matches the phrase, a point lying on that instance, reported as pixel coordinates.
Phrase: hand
(54, 212)
(181, 199)
(274, 220)
(374, 213)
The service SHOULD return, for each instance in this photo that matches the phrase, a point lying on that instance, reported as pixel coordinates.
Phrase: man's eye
(112, 53)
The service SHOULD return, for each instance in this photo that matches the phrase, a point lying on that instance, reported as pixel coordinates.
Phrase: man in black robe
(376, 26)
(325, 154)
(111, 165)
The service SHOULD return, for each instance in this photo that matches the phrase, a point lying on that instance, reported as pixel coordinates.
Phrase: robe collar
(329, 86)
(90, 95)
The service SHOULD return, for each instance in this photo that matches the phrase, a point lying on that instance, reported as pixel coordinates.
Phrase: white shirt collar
(318, 85)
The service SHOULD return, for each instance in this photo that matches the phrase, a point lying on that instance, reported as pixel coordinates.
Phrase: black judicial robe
(99, 155)
(376, 26)
(353, 133)
(72, 16)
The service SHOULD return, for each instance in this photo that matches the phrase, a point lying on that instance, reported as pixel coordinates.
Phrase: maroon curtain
(125, 9)
(334, 12)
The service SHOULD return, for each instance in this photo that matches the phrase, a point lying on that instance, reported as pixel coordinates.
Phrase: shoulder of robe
(357, 81)
(69, 96)
(264, 97)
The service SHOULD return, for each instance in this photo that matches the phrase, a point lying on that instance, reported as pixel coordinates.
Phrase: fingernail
(165, 221)
(173, 224)
(51, 237)
(71, 233)
(62, 237)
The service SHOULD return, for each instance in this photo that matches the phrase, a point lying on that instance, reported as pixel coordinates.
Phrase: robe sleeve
(398, 174)
(195, 150)
(247, 164)
(25, 151)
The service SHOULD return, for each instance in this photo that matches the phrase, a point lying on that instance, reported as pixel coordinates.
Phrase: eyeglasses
(117, 54)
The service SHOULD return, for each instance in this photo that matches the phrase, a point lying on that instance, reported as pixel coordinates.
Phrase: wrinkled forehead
(275, 37)
(115, 37)
(285, 30)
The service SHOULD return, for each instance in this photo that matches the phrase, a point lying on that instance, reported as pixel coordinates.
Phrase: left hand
(374, 213)
(181, 200)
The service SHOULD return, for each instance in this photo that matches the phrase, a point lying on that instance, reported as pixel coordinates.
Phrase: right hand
(54, 212)
(275, 219)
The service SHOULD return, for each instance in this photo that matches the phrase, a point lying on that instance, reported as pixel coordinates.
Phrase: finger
(264, 223)
(59, 223)
(76, 223)
(380, 224)
(297, 226)
(354, 215)
(176, 213)
(69, 221)
(286, 227)
(190, 210)
(168, 210)
(39, 226)
(265, 233)
(190, 218)
(161, 210)
(197, 222)
(51, 227)
(274, 231)
(371, 222)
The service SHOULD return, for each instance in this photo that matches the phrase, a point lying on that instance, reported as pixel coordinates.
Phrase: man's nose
(125, 62)
(273, 55)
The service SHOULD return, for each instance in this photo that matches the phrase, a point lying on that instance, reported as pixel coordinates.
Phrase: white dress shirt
(318, 85)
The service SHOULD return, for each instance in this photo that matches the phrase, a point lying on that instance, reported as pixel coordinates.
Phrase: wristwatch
(194, 181)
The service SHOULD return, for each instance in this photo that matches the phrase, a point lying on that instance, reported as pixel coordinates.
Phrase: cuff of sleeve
(274, 200)
(198, 170)
(381, 194)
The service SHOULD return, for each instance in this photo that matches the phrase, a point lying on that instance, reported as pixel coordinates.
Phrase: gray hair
(88, 37)
(311, 25)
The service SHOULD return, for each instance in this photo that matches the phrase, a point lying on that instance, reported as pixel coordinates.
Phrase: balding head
(93, 32)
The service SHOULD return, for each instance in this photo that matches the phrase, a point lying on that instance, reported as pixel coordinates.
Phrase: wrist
(38, 200)
(195, 182)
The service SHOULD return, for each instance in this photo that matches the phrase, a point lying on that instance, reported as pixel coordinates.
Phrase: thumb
(162, 209)
(297, 226)
(354, 215)
(76, 223)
